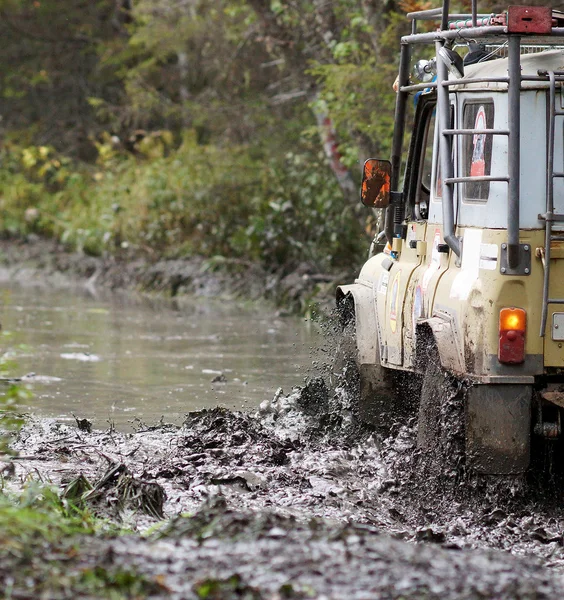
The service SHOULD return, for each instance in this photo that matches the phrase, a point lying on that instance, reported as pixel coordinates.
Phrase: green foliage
(40, 550)
(38, 512)
(299, 214)
(50, 66)
(230, 587)
(278, 210)
(361, 101)
(356, 86)
(188, 128)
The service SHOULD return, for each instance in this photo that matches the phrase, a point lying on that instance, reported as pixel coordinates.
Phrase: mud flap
(498, 428)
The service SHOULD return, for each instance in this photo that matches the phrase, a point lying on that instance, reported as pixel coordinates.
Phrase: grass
(51, 545)
(52, 549)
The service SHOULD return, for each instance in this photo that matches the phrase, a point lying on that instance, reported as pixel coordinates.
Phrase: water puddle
(114, 357)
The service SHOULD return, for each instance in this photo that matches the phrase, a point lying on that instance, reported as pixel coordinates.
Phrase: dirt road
(298, 501)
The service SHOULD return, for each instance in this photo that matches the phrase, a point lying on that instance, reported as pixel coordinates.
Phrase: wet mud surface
(298, 501)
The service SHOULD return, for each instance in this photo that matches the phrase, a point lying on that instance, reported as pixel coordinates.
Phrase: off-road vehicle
(465, 283)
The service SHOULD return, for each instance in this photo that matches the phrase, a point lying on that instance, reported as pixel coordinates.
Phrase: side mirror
(375, 189)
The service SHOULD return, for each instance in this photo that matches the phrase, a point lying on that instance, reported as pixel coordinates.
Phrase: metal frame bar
(470, 34)
(485, 31)
(476, 132)
(481, 21)
(549, 200)
(445, 155)
(444, 19)
(550, 216)
(425, 15)
(433, 14)
(431, 85)
(477, 179)
(462, 81)
(454, 82)
(514, 125)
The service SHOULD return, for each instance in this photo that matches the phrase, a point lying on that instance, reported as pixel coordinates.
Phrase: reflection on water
(116, 357)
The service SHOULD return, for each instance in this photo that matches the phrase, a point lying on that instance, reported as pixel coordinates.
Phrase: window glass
(423, 186)
(427, 157)
(477, 149)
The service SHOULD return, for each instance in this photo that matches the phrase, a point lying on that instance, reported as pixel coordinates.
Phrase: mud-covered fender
(366, 324)
(442, 330)
(497, 417)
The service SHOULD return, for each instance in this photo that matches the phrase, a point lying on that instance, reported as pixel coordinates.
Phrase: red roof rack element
(529, 19)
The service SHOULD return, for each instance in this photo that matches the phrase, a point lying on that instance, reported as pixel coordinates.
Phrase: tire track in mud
(300, 500)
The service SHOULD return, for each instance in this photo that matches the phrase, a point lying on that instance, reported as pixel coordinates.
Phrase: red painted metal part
(511, 347)
(529, 19)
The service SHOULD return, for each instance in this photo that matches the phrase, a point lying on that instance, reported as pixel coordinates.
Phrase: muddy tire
(370, 389)
(547, 456)
(440, 426)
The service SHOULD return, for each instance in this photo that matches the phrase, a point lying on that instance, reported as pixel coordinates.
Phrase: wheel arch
(439, 332)
(364, 304)
(497, 417)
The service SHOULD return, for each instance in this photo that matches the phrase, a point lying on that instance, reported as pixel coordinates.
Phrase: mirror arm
(389, 224)
(396, 201)
(394, 217)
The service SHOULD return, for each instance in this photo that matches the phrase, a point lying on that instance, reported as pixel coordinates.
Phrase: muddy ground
(297, 501)
(34, 260)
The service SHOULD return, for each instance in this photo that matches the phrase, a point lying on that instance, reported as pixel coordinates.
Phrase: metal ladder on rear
(550, 217)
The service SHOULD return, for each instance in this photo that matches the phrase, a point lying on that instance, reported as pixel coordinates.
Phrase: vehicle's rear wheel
(441, 431)
(371, 390)
(547, 454)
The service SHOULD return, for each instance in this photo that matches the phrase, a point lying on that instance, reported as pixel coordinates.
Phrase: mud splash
(300, 500)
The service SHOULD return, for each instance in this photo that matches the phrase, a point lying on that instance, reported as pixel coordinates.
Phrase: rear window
(477, 149)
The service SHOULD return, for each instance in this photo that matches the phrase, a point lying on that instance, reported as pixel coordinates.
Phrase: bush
(198, 199)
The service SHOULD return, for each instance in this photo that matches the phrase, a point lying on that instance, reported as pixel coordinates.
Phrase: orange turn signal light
(512, 319)
(512, 328)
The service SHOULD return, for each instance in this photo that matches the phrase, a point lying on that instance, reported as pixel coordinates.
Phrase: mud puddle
(297, 501)
(112, 356)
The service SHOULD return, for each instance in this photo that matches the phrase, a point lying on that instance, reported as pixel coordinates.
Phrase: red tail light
(512, 328)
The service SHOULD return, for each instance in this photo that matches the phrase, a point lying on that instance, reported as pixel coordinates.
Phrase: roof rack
(500, 50)
(540, 20)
